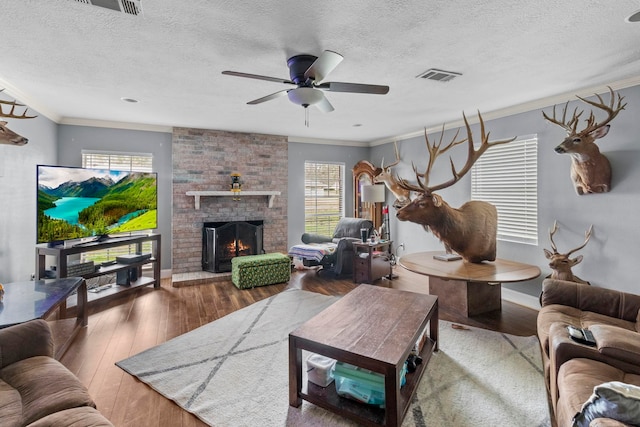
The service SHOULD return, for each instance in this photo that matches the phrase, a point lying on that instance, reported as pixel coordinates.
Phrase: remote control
(583, 336)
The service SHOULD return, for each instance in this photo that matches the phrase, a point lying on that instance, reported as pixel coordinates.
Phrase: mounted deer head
(470, 230)
(590, 170)
(7, 136)
(561, 263)
(402, 195)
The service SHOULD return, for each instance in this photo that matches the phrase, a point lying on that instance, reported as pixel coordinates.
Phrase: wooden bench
(260, 270)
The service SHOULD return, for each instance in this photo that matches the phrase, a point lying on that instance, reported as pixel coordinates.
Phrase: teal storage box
(361, 384)
(260, 270)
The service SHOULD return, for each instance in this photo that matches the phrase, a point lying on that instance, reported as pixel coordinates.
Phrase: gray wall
(73, 139)
(298, 154)
(18, 193)
(610, 256)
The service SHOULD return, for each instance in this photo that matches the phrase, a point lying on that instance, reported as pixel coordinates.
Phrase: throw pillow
(615, 400)
(638, 321)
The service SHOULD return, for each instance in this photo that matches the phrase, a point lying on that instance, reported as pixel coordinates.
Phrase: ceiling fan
(307, 73)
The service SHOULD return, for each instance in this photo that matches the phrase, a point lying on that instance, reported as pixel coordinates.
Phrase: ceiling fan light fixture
(305, 96)
(634, 17)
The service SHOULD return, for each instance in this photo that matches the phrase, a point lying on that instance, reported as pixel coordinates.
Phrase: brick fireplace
(204, 160)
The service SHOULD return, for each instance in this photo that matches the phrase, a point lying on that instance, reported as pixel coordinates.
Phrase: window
(138, 162)
(507, 177)
(323, 197)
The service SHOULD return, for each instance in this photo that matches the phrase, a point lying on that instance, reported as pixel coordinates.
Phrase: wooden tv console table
(61, 253)
(464, 287)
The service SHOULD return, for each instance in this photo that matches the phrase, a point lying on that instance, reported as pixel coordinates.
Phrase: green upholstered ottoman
(259, 270)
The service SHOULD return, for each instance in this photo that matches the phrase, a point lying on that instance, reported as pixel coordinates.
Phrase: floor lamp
(373, 194)
(376, 194)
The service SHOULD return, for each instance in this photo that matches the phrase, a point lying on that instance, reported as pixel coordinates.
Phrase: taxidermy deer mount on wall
(561, 263)
(402, 195)
(7, 136)
(470, 230)
(590, 170)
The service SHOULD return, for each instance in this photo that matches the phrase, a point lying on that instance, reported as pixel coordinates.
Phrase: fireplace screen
(223, 241)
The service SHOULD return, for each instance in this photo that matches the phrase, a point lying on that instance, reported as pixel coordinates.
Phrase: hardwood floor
(148, 317)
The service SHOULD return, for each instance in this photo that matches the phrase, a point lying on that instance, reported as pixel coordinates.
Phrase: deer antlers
(395, 146)
(11, 114)
(435, 150)
(587, 236)
(572, 125)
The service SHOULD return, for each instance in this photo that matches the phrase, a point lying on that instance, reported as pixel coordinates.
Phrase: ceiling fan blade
(353, 88)
(324, 105)
(269, 97)
(257, 77)
(322, 66)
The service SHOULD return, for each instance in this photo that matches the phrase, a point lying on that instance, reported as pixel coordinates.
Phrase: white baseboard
(165, 274)
(525, 300)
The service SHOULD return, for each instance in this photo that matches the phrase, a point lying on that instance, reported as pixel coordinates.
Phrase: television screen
(77, 202)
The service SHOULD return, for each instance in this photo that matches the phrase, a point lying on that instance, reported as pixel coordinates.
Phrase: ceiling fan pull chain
(306, 116)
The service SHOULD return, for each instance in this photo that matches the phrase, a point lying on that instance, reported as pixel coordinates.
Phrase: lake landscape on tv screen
(76, 202)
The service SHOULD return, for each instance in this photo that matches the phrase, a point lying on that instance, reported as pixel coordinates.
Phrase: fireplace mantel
(197, 194)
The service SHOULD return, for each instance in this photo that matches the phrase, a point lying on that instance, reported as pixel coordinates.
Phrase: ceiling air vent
(438, 75)
(131, 7)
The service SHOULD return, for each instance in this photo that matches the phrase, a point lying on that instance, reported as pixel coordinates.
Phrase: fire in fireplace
(223, 241)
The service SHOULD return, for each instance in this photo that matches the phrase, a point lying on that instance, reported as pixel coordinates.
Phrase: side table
(371, 261)
(24, 301)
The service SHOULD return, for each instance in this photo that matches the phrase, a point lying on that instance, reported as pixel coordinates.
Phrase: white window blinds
(507, 177)
(138, 162)
(323, 196)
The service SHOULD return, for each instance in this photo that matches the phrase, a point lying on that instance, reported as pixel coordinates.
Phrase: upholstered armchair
(334, 253)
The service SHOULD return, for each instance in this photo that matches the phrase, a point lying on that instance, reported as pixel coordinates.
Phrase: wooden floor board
(147, 317)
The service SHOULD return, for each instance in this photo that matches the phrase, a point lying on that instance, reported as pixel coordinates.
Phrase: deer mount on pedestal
(471, 230)
(7, 136)
(561, 263)
(590, 169)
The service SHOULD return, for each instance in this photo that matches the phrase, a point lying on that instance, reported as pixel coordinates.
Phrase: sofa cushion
(567, 315)
(25, 340)
(10, 406)
(45, 387)
(617, 342)
(615, 400)
(576, 380)
(84, 416)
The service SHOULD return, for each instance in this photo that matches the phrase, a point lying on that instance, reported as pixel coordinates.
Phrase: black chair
(340, 260)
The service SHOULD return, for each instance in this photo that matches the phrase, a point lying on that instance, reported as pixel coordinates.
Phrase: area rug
(234, 372)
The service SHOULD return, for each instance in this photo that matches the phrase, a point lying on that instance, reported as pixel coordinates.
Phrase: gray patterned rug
(233, 372)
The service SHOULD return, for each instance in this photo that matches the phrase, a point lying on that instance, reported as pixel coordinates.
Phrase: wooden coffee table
(374, 328)
(24, 301)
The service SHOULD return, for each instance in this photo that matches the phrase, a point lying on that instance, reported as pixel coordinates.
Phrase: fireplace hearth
(223, 241)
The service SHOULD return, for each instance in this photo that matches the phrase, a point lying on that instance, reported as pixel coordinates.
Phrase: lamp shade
(373, 193)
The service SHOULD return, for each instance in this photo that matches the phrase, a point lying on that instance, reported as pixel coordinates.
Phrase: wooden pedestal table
(468, 288)
(374, 328)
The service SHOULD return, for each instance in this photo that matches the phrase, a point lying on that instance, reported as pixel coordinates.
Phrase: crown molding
(28, 101)
(304, 140)
(115, 125)
(537, 104)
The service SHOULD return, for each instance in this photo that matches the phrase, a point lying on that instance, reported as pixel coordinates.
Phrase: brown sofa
(573, 369)
(35, 389)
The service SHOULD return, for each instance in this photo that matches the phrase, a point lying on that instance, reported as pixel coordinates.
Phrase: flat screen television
(75, 203)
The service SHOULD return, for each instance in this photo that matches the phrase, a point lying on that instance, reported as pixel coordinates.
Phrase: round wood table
(464, 287)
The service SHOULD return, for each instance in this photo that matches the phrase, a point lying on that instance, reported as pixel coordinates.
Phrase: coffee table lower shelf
(329, 399)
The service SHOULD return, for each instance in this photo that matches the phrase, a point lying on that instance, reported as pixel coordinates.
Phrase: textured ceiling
(73, 62)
